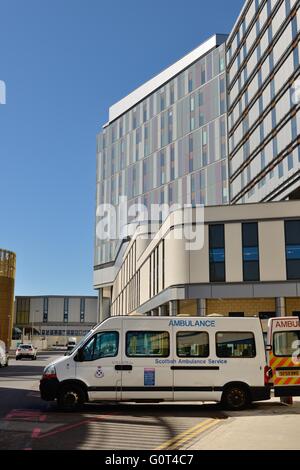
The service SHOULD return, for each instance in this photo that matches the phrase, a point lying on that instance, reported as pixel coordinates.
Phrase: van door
(284, 356)
(194, 378)
(147, 362)
(99, 366)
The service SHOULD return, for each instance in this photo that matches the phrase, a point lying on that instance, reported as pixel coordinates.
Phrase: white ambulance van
(144, 359)
(284, 355)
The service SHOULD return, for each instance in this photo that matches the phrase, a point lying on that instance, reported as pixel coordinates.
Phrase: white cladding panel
(272, 251)
(91, 310)
(56, 309)
(233, 253)
(36, 310)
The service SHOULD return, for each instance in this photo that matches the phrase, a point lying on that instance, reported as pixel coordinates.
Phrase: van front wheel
(235, 397)
(70, 398)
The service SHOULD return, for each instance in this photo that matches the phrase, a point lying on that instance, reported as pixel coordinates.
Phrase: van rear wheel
(70, 397)
(235, 397)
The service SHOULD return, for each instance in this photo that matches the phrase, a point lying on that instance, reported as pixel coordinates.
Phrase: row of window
(64, 332)
(200, 73)
(250, 243)
(208, 186)
(65, 310)
(193, 113)
(269, 182)
(156, 344)
(172, 133)
(196, 150)
(243, 27)
(260, 101)
(240, 75)
(189, 344)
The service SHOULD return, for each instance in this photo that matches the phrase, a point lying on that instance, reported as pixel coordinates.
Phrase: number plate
(288, 373)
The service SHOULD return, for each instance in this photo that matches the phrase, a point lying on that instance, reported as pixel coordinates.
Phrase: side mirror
(268, 347)
(79, 356)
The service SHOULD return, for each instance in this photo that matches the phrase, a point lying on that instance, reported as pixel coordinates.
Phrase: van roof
(207, 317)
(229, 320)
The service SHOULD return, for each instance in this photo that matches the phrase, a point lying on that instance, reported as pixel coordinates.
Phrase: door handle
(123, 367)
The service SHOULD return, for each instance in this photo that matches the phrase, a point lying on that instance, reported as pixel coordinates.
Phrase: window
(170, 126)
(82, 310)
(101, 345)
(250, 252)
(266, 315)
(192, 344)
(290, 162)
(235, 345)
(45, 309)
(292, 243)
(217, 253)
(286, 343)
(147, 344)
(66, 310)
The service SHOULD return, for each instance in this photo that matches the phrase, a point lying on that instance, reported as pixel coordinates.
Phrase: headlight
(49, 372)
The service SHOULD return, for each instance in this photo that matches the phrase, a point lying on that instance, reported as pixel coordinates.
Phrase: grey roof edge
(158, 80)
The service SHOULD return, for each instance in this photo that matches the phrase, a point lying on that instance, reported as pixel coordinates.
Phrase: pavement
(271, 426)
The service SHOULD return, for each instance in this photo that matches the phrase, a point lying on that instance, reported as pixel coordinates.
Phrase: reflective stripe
(277, 362)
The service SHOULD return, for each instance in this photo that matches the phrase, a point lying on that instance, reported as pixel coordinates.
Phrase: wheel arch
(77, 382)
(237, 383)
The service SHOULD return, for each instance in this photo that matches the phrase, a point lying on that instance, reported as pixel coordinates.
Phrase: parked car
(26, 350)
(71, 344)
(3, 355)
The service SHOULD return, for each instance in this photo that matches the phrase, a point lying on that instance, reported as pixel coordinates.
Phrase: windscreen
(81, 342)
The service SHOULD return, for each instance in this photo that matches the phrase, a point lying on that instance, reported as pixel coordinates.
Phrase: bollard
(287, 400)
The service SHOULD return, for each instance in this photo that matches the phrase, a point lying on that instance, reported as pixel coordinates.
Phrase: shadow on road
(21, 371)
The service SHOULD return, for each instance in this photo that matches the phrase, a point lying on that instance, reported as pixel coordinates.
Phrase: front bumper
(49, 389)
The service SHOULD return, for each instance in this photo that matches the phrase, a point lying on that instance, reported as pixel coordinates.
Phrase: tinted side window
(250, 252)
(147, 344)
(101, 345)
(217, 253)
(292, 241)
(235, 345)
(192, 344)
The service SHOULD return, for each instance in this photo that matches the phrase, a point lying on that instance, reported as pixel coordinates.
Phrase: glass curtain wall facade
(171, 148)
(263, 101)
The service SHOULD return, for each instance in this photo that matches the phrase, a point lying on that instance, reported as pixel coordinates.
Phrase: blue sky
(64, 63)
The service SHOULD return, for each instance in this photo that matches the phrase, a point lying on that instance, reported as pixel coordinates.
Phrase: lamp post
(8, 333)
